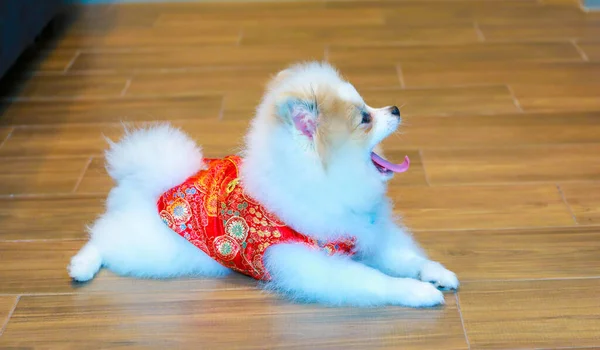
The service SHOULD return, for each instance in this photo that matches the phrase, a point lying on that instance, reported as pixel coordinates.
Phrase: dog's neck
(291, 182)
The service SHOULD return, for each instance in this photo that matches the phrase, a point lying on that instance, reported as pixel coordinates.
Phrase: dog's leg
(306, 274)
(399, 255)
(131, 239)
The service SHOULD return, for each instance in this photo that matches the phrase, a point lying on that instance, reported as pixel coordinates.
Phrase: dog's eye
(366, 118)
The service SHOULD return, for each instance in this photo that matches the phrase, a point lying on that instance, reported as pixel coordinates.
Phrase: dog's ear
(302, 115)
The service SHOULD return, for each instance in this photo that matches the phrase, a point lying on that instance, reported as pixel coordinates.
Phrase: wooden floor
(502, 123)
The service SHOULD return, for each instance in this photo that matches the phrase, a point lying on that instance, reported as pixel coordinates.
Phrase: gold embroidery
(231, 185)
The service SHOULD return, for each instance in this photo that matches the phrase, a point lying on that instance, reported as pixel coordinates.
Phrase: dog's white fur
(283, 172)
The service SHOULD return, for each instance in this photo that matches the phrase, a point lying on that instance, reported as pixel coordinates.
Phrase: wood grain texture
(274, 18)
(591, 50)
(210, 56)
(41, 267)
(46, 60)
(49, 86)
(531, 314)
(513, 164)
(481, 52)
(7, 304)
(546, 31)
(39, 175)
(501, 121)
(565, 97)
(244, 81)
(180, 319)
(450, 12)
(349, 35)
(151, 37)
(56, 217)
(217, 137)
(60, 140)
(4, 134)
(95, 179)
(112, 110)
(548, 74)
(584, 201)
(472, 207)
(509, 254)
(445, 101)
(475, 131)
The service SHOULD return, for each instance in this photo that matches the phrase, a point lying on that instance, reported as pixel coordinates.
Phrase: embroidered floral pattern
(180, 211)
(237, 228)
(226, 247)
(212, 212)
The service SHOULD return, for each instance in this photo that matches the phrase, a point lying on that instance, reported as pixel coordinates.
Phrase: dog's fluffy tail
(154, 158)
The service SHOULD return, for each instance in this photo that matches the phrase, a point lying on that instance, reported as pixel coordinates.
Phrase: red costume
(212, 211)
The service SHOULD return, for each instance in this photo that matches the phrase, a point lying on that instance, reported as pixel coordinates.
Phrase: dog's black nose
(395, 111)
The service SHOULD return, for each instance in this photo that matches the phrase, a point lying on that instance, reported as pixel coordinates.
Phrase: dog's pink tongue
(397, 168)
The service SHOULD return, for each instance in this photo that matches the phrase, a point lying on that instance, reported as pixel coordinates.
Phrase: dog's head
(319, 115)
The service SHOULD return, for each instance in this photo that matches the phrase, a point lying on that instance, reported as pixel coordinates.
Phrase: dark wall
(20, 22)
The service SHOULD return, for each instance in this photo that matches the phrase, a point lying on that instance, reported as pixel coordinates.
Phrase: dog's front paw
(436, 273)
(413, 293)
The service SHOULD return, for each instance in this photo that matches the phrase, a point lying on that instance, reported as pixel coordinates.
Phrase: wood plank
(592, 50)
(561, 97)
(241, 105)
(513, 164)
(363, 78)
(200, 82)
(531, 314)
(64, 86)
(559, 30)
(276, 18)
(150, 37)
(7, 305)
(480, 207)
(444, 101)
(511, 14)
(45, 59)
(474, 131)
(96, 179)
(62, 217)
(480, 52)
(41, 267)
(569, 252)
(444, 12)
(183, 58)
(419, 74)
(349, 35)
(245, 319)
(60, 140)
(103, 18)
(82, 140)
(252, 81)
(4, 135)
(111, 110)
(20, 176)
(584, 201)
(562, 2)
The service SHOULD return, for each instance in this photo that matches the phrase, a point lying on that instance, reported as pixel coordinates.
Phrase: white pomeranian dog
(304, 208)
